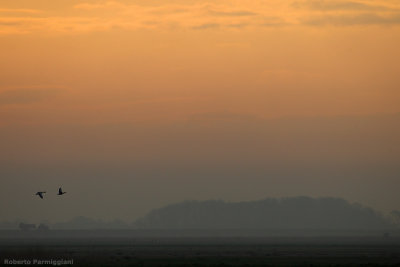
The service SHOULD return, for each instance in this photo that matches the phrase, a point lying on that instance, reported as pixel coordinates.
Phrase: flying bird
(40, 194)
(60, 192)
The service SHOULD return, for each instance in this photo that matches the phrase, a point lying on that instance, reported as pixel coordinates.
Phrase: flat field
(133, 248)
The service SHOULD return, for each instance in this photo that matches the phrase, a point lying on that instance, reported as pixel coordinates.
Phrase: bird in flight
(60, 192)
(40, 194)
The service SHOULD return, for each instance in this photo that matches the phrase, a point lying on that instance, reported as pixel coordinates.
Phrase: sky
(132, 105)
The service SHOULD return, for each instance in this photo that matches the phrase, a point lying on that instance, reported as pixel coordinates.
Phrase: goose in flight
(60, 192)
(40, 194)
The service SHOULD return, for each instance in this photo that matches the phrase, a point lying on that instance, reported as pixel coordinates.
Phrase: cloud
(109, 15)
(237, 25)
(92, 16)
(347, 13)
(274, 22)
(10, 23)
(351, 20)
(26, 25)
(232, 13)
(104, 5)
(19, 10)
(23, 96)
(206, 26)
(322, 5)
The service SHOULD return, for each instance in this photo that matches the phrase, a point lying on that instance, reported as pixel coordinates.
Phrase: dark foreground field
(127, 248)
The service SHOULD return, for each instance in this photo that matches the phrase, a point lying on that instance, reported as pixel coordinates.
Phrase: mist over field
(293, 215)
(130, 106)
(122, 171)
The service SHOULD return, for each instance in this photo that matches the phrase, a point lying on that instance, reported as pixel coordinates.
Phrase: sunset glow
(179, 86)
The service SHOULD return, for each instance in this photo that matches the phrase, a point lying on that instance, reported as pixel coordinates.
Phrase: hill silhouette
(285, 213)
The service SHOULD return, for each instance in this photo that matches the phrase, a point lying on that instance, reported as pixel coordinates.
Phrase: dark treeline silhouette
(296, 213)
(77, 223)
(27, 226)
(82, 223)
(395, 217)
(286, 213)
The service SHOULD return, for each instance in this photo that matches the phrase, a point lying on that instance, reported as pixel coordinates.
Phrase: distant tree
(395, 216)
(27, 226)
(43, 227)
(81, 223)
(9, 225)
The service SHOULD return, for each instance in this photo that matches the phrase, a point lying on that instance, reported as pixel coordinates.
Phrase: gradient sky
(152, 102)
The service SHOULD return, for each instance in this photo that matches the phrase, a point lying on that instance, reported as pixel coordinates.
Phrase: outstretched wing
(59, 191)
(40, 195)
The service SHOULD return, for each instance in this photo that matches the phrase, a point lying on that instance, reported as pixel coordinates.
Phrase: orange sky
(270, 97)
(168, 60)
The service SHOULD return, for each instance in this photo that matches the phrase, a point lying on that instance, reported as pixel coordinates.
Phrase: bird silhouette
(60, 192)
(40, 194)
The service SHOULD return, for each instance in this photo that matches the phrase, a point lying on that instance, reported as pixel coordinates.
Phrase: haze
(132, 105)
